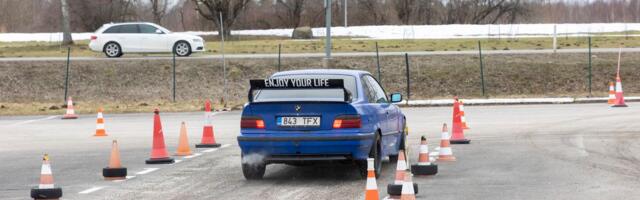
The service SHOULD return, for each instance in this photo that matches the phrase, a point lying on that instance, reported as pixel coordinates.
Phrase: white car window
(144, 28)
(113, 29)
(129, 28)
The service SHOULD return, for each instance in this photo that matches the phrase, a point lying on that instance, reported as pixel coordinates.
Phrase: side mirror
(396, 97)
(158, 31)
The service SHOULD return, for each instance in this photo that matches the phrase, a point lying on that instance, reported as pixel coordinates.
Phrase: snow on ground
(397, 32)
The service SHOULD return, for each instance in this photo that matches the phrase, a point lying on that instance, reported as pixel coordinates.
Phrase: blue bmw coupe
(304, 117)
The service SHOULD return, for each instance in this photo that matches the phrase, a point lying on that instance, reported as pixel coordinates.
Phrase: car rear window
(271, 95)
(113, 29)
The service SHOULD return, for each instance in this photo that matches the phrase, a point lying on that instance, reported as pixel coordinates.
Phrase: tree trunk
(66, 29)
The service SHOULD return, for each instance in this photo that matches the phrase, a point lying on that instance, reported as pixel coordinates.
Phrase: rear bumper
(94, 46)
(307, 147)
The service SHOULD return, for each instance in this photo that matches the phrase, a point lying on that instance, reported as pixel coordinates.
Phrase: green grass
(260, 45)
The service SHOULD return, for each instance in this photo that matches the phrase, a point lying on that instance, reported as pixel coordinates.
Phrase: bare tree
(228, 9)
(369, 12)
(158, 9)
(405, 9)
(90, 15)
(290, 11)
(66, 28)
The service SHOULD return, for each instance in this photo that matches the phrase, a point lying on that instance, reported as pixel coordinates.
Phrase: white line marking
(177, 161)
(121, 180)
(90, 190)
(192, 156)
(225, 145)
(31, 121)
(146, 171)
(209, 150)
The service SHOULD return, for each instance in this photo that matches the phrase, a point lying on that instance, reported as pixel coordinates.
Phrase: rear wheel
(112, 50)
(375, 154)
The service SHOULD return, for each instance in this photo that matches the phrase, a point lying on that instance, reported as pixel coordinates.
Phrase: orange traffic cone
(407, 190)
(100, 124)
(183, 144)
(395, 188)
(372, 187)
(114, 171)
(463, 119)
(446, 154)
(46, 189)
(612, 94)
(208, 140)
(619, 94)
(159, 154)
(424, 166)
(619, 102)
(458, 132)
(70, 112)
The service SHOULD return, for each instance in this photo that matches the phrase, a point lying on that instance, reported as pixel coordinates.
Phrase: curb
(514, 101)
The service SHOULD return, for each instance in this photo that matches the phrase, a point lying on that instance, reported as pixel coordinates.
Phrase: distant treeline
(202, 15)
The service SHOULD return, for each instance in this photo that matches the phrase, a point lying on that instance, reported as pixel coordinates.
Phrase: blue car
(305, 117)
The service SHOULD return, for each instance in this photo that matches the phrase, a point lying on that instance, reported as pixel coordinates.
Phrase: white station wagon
(115, 39)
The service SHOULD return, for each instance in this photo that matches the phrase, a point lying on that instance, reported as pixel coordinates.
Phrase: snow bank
(397, 32)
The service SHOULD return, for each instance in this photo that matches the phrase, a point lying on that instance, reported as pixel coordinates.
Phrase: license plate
(298, 121)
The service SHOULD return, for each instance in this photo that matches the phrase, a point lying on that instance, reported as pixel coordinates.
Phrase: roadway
(320, 55)
(561, 151)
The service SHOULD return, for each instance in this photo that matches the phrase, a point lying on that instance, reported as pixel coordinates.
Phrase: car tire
(182, 49)
(403, 138)
(253, 171)
(374, 153)
(112, 50)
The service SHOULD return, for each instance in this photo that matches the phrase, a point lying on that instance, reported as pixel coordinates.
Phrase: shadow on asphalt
(319, 172)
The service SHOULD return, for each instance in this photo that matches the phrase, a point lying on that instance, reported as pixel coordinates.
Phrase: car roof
(355, 73)
(122, 23)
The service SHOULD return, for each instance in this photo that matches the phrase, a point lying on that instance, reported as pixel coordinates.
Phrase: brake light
(93, 37)
(252, 122)
(347, 121)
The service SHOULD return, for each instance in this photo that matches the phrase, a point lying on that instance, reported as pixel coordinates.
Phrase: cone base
(447, 158)
(619, 106)
(431, 169)
(51, 193)
(101, 135)
(114, 172)
(166, 160)
(396, 190)
(461, 141)
(214, 145)
(70, 117)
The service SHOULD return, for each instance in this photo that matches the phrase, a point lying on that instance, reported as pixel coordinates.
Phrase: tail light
(93, 37)
(252, 122)
(347, 121)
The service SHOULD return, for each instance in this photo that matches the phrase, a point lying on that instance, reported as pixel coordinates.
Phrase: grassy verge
(90, 107)
(259, 45)
(141, 85)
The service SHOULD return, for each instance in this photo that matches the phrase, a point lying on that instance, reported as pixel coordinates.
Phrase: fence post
(279, 52)
(590, 74)
(174, 76)
(406, 61)
(378, 63)
(66, 76)
(481, 67)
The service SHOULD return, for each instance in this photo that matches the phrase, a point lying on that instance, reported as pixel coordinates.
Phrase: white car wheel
(182, 49)
(112, 50)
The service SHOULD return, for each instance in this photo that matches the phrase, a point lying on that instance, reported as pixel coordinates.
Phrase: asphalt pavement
(558, 151)
(320, 55)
